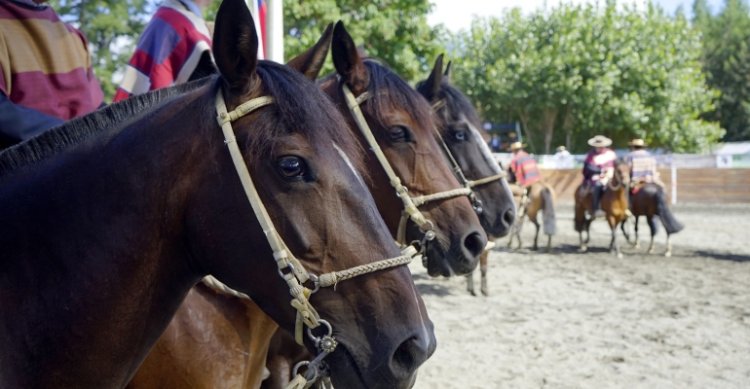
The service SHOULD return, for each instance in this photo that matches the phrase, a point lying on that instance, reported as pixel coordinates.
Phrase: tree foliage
(112, 27)
(395, 31)
(726, 58)
(578, 70)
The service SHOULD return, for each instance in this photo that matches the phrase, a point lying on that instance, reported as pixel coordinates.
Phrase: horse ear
(432, 85)
(311, 61)
(347, 60)
(235, 45)
(447, 74)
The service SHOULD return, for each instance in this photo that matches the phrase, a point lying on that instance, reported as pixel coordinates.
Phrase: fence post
(674, 182)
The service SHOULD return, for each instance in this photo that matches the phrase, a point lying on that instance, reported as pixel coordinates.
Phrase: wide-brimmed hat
(561, 148)
(516, 146)
(637, 142)
(600, 141)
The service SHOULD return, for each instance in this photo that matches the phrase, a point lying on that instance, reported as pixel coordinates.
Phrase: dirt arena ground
(572, 320)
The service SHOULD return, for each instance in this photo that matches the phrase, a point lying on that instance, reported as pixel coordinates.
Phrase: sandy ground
(572, 320)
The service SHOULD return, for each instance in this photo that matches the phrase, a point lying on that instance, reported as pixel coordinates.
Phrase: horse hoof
(472, 292)
(619, 255)
(485, 292)
(668, 254)
(583, 249)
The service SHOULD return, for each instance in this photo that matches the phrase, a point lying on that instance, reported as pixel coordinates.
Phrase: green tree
(577, 70)
(395, 31)
(112, 28)
(726, 60)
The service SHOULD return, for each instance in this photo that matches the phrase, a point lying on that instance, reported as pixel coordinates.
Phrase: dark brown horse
(540, 197)
(614, 202)
(649, 200)
(465, 143)
(309, 63)
(109, 220)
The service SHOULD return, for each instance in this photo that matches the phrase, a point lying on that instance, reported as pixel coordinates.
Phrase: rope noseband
(289, 267)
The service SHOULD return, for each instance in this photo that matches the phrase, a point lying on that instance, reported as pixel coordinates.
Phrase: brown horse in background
(424, 170)
(649, 200)
(614, 202)
(539, 197)
(461, 133)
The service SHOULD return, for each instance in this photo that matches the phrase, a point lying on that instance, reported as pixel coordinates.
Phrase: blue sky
(457, 14)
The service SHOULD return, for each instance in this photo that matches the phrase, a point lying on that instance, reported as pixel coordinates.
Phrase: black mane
(455, 102)
(77, 130)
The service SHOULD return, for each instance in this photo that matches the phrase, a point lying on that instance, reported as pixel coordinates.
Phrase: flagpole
(275, 37)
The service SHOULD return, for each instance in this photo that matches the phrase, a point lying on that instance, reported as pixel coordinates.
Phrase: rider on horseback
(642, 165)
(598, 168)
(522, 170)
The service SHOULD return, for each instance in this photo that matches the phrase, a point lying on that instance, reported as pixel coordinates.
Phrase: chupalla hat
(637, 142)
(600, 141)
(561, 148)
(516, 146)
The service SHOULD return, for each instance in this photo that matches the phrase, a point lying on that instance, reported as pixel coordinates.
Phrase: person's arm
(18, 123)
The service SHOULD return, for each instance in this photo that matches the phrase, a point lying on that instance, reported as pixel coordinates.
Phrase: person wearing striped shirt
(522, 170)
(174, 48)
(46, 74)
(642, 164)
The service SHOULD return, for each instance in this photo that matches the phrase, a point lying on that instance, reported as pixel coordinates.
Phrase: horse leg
(614, 246)
(652, 226)
(536, 235)
(582, 242)
(483, 270)
(549, 243)
(625, 231)
(470, 283)
(635, 232)
(669, 246)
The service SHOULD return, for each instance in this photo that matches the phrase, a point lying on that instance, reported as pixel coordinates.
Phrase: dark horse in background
(109, 220)
(217, 337)
(614, 202)
(649, 200)
(539, 197)
(460, 130)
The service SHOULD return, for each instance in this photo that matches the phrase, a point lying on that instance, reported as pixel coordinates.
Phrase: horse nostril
(509, 217)
(409, 356)
(475, 243)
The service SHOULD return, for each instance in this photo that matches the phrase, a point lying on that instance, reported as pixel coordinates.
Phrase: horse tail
(548, 212)
(670, 223)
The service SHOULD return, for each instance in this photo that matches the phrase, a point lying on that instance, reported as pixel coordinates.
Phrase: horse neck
(114, 269)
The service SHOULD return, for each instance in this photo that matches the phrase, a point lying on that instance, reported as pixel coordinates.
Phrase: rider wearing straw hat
(642, 164)
(522, 170)
(598, 167)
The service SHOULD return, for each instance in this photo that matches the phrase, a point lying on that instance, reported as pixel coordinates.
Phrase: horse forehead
(349, 164)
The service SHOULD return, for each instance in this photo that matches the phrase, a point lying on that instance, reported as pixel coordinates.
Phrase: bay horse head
(110, 219)
(465, 144)
(413, 186)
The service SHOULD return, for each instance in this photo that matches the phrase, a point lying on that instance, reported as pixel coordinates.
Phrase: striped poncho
(169, 50)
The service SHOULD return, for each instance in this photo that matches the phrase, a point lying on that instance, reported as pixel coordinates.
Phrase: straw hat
(637, 142)
(600, 141)
(516, 146)
(561, 148)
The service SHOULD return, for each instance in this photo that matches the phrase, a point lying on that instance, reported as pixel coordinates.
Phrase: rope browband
(410, 203)
(289, 267)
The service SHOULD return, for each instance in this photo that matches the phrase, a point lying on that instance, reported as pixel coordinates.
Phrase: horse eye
(292, 167)
(399, 134)
(459, 135)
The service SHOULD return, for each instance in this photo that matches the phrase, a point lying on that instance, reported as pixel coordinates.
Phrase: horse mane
(456, 102)
(79, 129)
(399, 94)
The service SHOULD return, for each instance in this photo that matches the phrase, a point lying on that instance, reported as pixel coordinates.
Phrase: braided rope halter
(468, 184)
(411, 204)
(289, 267)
